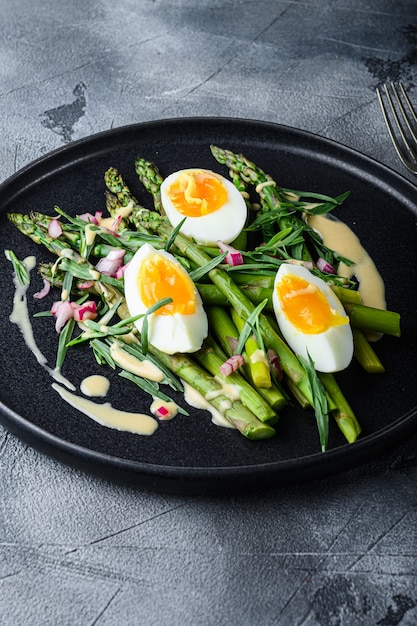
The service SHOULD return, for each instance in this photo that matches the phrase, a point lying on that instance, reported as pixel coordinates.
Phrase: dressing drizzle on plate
(339, 237)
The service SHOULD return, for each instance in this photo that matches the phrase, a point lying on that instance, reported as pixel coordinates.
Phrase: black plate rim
(102, 136)
(188, 480)
(197, 481)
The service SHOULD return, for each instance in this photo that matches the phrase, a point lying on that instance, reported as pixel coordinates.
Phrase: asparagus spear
(72, 236)
(343, 414)
(365, 354)
(122, 197)
(376, 320)
(149, 175)
(39, 235)
(257, 288)
(117, 186)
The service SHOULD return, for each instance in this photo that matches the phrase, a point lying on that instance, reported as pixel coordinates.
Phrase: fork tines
(401, 121)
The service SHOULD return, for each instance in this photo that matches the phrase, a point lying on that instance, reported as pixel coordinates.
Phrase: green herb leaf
(173, 234)
(327, 204)
(64, 342)
(281, 240)
(67, 286)
(102, 354)
(318, 393)
(198, 273)
(144, 331)
(251, 327)
(86, 273)
(19, 267)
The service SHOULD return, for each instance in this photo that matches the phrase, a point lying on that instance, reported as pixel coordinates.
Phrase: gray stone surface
(78, 551)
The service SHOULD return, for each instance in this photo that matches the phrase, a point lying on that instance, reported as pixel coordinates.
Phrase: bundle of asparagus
(237, 299)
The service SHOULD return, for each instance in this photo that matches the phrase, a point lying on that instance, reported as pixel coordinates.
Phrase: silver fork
(403, 118)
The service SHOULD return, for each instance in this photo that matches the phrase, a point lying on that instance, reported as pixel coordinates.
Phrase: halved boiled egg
(151, 276)
(214, 208)
(312, 319)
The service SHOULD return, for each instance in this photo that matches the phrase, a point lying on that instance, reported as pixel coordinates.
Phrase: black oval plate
(189, 454)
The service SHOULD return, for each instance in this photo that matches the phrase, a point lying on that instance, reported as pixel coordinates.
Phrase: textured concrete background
(78, 551)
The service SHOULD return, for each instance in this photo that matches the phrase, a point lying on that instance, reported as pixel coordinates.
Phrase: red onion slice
(44, 291)
(54, 228)
(110, 264)
(324, 266)
(233, 257)
(232, 364)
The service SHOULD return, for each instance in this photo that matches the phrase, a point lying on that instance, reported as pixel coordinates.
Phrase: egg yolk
(195, 194)
(306, 306)
(159, 278)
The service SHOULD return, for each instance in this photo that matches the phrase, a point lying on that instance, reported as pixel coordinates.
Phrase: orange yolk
(158, 278)
(195, 194)
(306, 306)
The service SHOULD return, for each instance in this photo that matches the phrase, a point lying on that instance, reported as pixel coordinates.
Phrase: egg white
(168, 333)
(331, 350)
(225, 224)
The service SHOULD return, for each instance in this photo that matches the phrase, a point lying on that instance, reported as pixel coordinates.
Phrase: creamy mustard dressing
(106, 222)
(158, 404)
(266, 183)
(106, 415)
(95, 386)
(229, 390)
(145, 368)
(20, 313)
(20, 317)
(94, 274)
(130, 338)
(121, 211)
(91, 229)
(258, 356)
(339, 237)
(197, 400)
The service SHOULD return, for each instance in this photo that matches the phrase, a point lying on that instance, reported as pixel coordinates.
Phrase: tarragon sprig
(320, 402)
(19, 267)
(250, 327)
